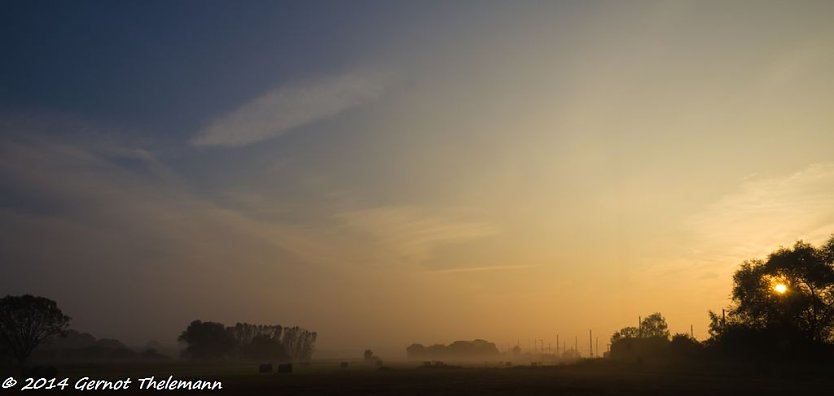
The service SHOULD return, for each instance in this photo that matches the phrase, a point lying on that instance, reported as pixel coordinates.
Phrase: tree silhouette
(415, 351)
(683, 346)
(299, 343)
(26, 321)
(792, 290)
(788, 298)
(651, 326)
(625, 332)
(456, 350)
(207, 340)
(654, 325)
(259, 342)
(245, 333)
(651, 340)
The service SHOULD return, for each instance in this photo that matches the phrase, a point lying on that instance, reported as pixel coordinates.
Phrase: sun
(780, 288)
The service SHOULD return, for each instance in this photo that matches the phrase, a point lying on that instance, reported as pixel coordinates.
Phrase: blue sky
(169, 66)
(495, 155)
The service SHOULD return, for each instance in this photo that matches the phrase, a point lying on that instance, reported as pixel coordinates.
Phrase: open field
(589, 378)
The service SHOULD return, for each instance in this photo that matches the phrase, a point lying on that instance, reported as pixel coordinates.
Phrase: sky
(392, 172)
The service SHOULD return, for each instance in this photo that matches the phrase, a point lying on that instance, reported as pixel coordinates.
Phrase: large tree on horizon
(26, 321)
(790, 295)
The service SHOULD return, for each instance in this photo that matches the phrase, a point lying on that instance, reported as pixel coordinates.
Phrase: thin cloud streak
(480, 269)
(280, 110)
(410, 233)
(761, 214)
(764, 213)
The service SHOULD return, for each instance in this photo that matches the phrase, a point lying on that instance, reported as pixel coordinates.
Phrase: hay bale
(285, 368)
(265, 368)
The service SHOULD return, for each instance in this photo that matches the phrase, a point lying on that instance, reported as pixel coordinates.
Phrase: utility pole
(576, 344)
(598, 347)
(591, 342)
(557, 344)
(639, 327)
(691, 332)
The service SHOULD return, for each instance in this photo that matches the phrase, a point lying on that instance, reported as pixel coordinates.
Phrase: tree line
(455, 350)
(29, 323)
(212, 340)
(781, 307)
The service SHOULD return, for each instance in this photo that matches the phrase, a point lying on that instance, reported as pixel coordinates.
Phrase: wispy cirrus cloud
(92, 212)
(765, 213)
(760, 215)
(483, 268)
(411, 234)
(280, 110)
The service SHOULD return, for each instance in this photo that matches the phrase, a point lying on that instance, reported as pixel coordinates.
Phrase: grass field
(587, 378)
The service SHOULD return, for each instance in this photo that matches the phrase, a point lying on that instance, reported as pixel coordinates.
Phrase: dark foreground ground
(587, 378)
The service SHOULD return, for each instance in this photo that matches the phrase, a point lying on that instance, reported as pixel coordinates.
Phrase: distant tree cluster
(212, 340)
(652, 341)
(369, 357)
(34, 328)
(652, 326)
(84, 347)
(456, 350)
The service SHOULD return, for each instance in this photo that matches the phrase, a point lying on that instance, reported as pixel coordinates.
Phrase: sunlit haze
(395, 172)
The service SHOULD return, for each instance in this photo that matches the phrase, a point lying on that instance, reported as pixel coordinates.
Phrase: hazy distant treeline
(456, 350)
(76, 346)
(212, 340)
